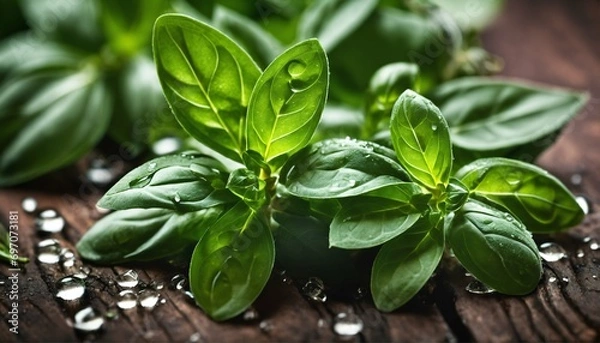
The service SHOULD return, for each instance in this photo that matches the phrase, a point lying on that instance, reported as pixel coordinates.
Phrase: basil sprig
(482, 214)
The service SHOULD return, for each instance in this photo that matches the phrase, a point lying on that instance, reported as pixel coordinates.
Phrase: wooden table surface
(549, 41)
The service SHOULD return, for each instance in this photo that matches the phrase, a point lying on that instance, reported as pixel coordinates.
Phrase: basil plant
(407, 202)
(332, 199)
(255, 118)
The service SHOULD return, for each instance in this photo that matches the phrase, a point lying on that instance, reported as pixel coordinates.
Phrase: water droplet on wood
(166, 145)
(99, 173)
(127, 299)
(265, 326)
(552, 279)
(128, 279)
(315, 289)
(88, 320)
(576, 179)
(148, 298)
(552, 252)
(584, 203)
(594, 245)
(48, 251)
(178, 282)
(250, 314)
(347, 324)
(70, 288)
(49, 221)
(29, 205)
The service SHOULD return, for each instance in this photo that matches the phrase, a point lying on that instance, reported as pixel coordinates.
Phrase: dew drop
(141, 182)
(194, 338)
(434, 127)
(342, 185)
(157, 285)
(70, 288)
(48, 251)
(552, 279)
(128, 279)
(321, 323)
(347, 324)
(127, 299)
(166, 145)
(580, 253)
(552, 252)
(250, 314)
(586, 239)
(178, 282)
(513, 179)
(594, 245)
(49, 221)
(148, 298)
(576, 179)
(296, 68)
(565, 279)
(315, 289)
(29, 205)
(176, 198)
(478, 287)
(151, 166)
(584, 203)
(265, 326)
(508, 217)
(189, 295)
(88, 320)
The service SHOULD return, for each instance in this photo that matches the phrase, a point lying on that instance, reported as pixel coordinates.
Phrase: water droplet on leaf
(141, 182)
(70, 288)
(478, 287)
(552, 252)
(296, 68)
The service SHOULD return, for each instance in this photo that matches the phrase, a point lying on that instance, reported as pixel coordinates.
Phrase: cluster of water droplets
(134, 293)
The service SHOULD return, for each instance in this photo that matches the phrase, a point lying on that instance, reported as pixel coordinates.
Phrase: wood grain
(549, 41)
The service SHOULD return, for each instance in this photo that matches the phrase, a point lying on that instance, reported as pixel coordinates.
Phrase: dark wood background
(549, 41)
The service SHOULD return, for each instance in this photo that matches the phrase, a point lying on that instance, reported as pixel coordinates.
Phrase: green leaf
(207, 80)
(332, 20)
(186, 182)
(128, 24)
(458, 193)
(50, 117)
(496, 248)
(286, 104)
(144, 234)
(487, 114)
(260, 44)
(537, 198)
(339, 121)
(302, 246)
(385, 87)
(8, 253)
(403, 265)
(421, 139)
(365, 222)
(247, 186)
(339, 168)
(232, 263)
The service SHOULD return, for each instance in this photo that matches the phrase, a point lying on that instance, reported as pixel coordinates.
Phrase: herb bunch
(353, 194)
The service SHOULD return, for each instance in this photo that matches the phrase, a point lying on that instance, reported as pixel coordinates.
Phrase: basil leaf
(143, 234)
(486, 114)
(185, 182)
(496, 248)
(405, 264)
(458, 193)
(128, 24)
(286, 104)
(260, 44)
(339, 121)
(537, 198)
(248, 187)
(366, 222)
(50, 118)
(421, 139)
(302, 247)
(232, 263)
(340, 168)
(385, 87)
(207, 80)
(332, 20)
